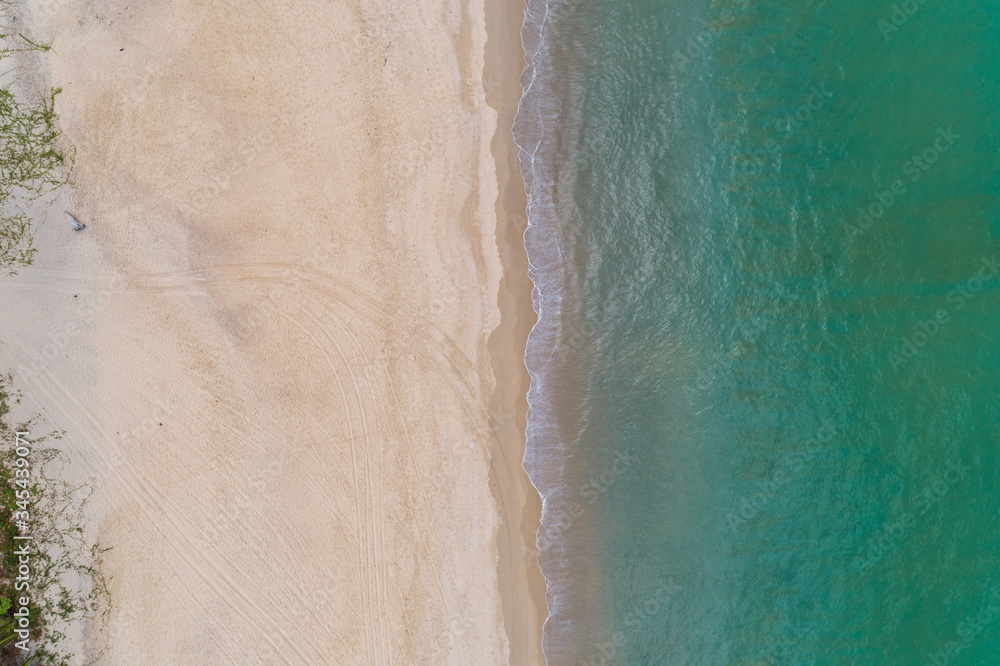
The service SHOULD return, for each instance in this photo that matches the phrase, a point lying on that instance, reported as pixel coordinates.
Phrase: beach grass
(31, 163)
(64, 584)
(41, 516)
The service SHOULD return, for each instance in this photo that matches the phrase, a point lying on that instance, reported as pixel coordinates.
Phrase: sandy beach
(287, 350)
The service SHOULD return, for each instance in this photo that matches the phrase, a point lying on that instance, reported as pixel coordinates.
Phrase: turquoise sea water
(764, 412)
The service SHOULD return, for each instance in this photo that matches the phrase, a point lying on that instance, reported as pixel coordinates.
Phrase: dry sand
(275, 349)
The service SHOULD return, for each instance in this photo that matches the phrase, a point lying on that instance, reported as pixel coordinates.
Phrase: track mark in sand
(405, 325)
(362, 545)
(455, 369)
(273, 272)
(331, 320)
(409, 328)
(318, 305)
(375, 502)
(178, 539)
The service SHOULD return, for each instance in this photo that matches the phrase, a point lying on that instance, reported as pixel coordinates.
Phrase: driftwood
(77, 224)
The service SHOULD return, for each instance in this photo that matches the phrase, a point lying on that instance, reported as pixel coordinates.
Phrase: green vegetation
(49, 573)
(64, 584)
(31, 163)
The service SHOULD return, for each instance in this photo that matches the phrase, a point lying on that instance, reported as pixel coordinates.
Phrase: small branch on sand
(77, 224)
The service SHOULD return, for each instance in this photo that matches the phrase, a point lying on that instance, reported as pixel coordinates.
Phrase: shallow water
(764, 403)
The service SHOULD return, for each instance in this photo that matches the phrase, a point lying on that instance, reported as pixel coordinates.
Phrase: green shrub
(31, 163)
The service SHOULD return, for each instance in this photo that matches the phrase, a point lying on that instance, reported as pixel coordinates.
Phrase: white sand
(277, 374)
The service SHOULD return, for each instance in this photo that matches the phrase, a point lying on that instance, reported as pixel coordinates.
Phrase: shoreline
(522, 586)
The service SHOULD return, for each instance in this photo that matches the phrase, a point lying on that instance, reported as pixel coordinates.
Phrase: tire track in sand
(144, 495)
(334, 321)
(455, 372)
(361, 540)
(376, 515)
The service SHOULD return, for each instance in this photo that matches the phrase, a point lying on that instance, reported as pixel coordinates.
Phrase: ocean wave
(543, 119)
